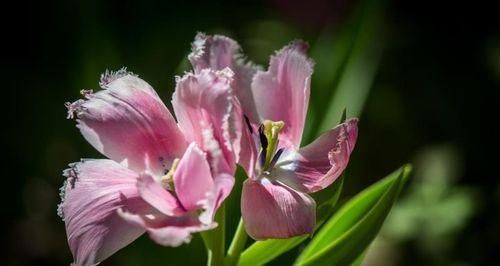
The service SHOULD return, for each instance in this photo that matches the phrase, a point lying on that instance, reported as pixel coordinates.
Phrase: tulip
(275, 199)
(162, 177)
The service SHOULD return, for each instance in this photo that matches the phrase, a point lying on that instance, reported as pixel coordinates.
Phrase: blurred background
(423, 77)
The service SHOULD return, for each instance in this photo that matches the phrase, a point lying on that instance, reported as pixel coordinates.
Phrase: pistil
(271, 130)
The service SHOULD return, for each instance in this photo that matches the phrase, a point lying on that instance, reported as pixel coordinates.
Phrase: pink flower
(275, 201)
(162, 177)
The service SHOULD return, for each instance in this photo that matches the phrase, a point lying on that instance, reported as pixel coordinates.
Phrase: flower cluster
(168, 176)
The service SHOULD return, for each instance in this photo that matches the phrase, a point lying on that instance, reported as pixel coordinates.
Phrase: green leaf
(262, 252)
(355, 76)
(215, 239)
(326, 200)
(349, 232)
(359, 260)
(344, 116)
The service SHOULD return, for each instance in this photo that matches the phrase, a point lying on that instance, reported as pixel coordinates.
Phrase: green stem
(215, 239)
(237, 245)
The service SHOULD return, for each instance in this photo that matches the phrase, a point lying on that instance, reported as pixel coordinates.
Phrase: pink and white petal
(193, 179)
(246, 149)
(167, 230)
(248, 152)
(272, 210)
(204, 106)
(218, 52)
(128, 123)
(175, 233)
(158, 197)
(172, 236)
(282, 92)
(223, 184)
(144, 217)
(319, 164)
(92, 194)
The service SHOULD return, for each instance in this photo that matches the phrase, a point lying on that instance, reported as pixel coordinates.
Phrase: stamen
(268, 134)
(247, 121)
(276, 157)
(167, 181)
(272, 130)
(263, 138)
(262, 157)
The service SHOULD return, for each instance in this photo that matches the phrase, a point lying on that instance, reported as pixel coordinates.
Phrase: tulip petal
(223, 184)
(91, 196)
(174, 236)
(218, 52)
(192, 179)
(153, 193)
(282, 93)
(166, 230)
(320, 163)
(128, 123)
(248, 153)
(204, 106)
(272, 210)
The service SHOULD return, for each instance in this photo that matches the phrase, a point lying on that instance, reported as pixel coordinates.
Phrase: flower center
(269, 154)
(167, 181)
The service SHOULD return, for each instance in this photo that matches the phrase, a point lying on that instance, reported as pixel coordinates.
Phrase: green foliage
(350, 231)
(215, 239)
(355, 75)
(434, 209)
(262, 252)
(359, 260)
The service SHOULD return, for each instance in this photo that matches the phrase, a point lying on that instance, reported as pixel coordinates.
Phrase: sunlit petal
(271, 210)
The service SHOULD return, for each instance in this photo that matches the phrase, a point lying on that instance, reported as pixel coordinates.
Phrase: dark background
(433, 102)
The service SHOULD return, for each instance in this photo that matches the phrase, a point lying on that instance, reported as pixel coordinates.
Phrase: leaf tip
(406, 171)
(343, 117)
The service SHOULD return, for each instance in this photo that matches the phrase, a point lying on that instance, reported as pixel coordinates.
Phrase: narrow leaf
(359, 260)
(344, 116)
(327, 199)
(358, 71)
(347, 234)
